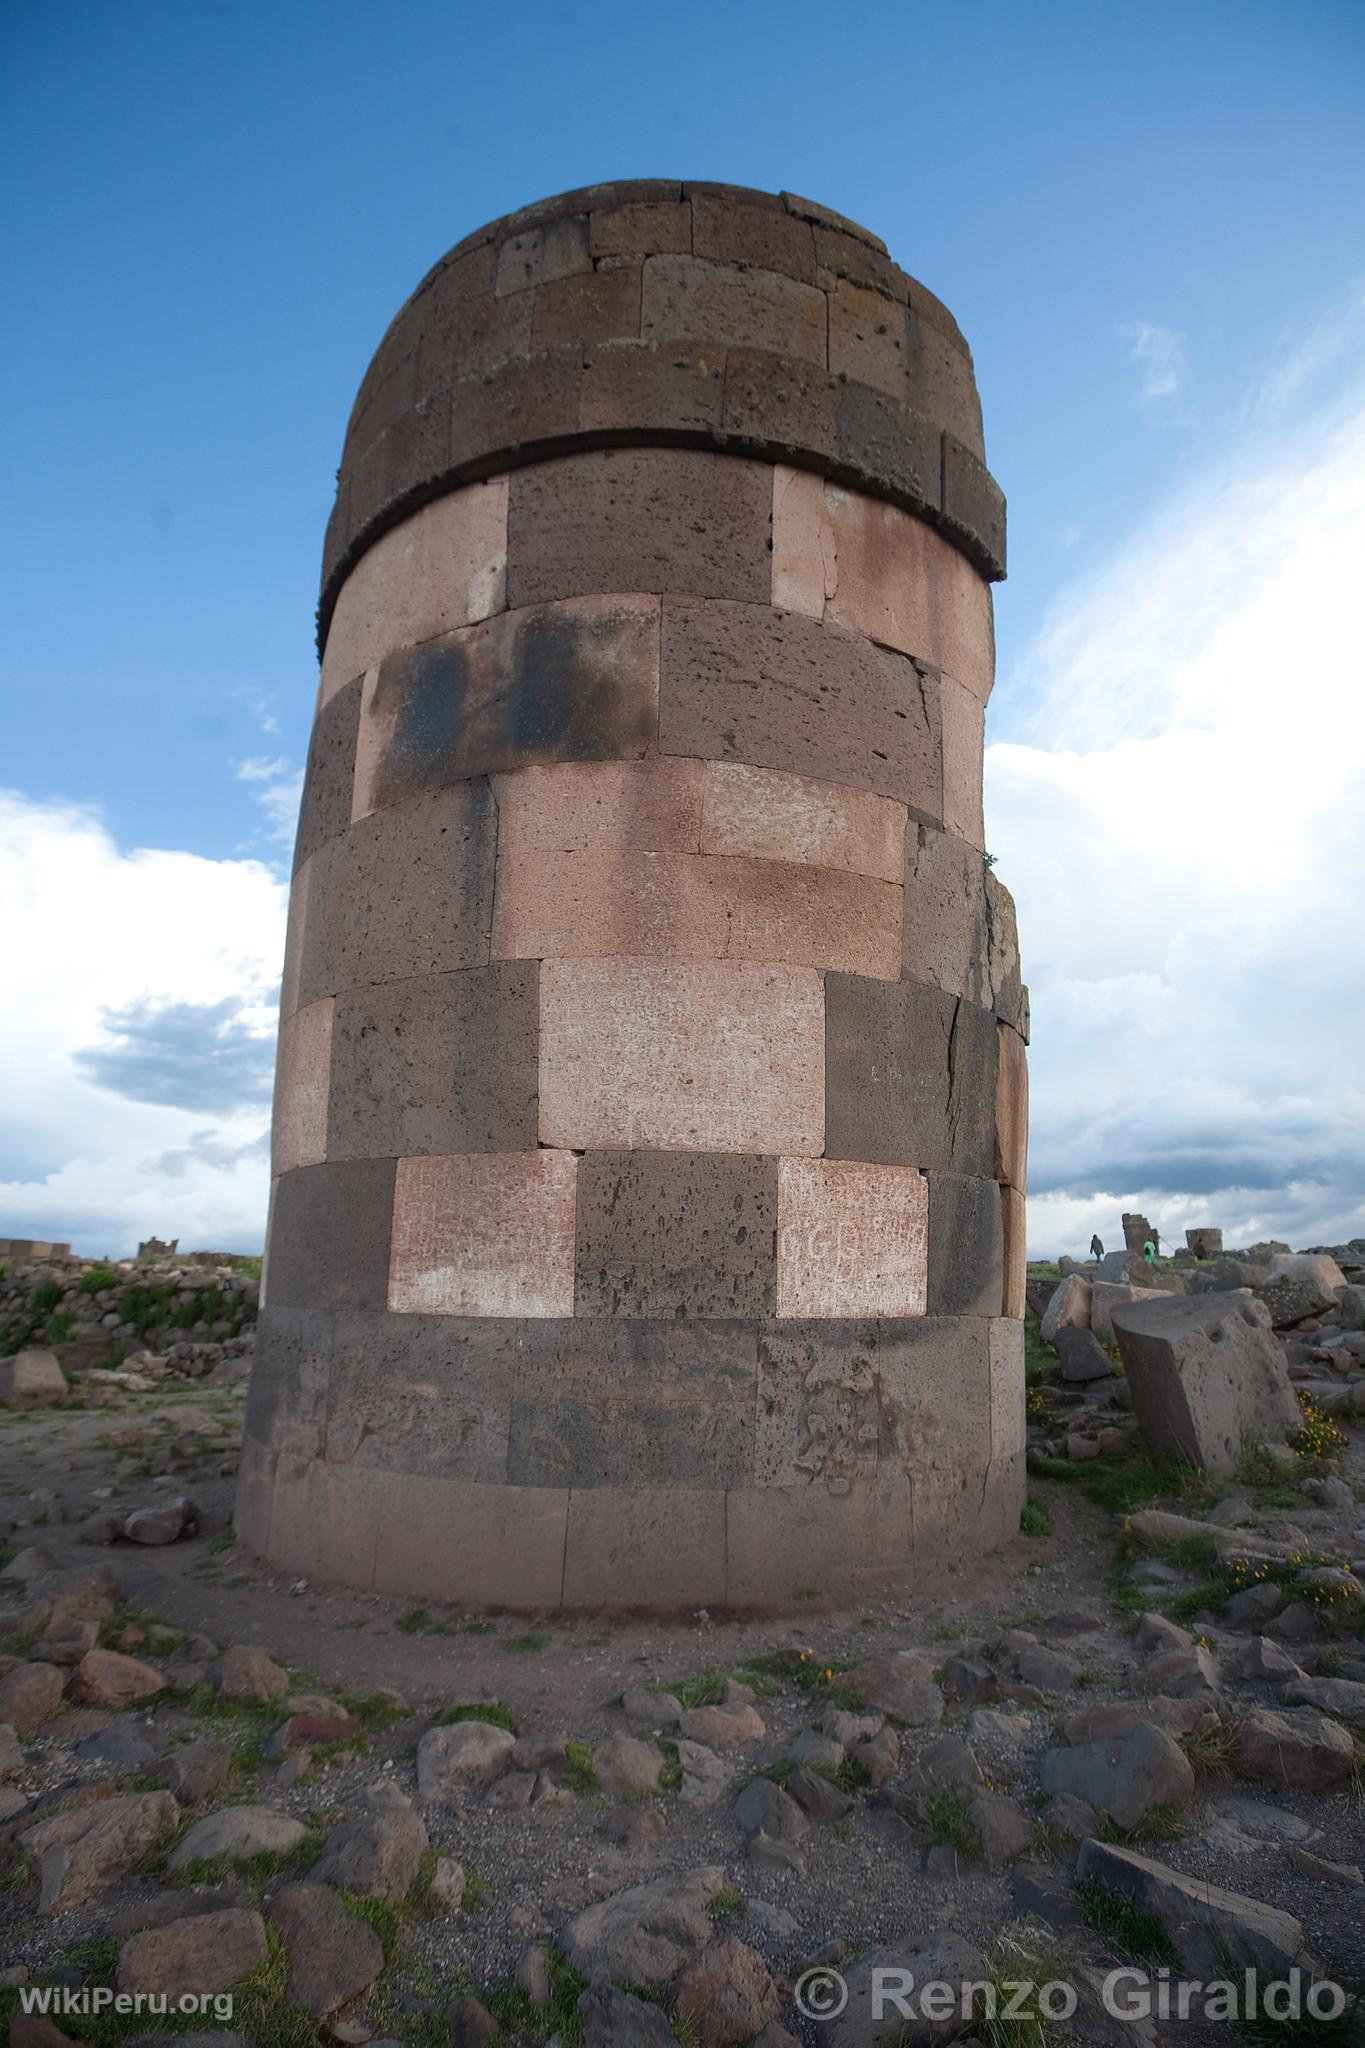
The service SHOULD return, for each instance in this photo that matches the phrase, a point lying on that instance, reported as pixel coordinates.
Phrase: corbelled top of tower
(655, 312)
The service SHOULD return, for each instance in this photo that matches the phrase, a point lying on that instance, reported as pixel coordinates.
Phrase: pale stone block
(771, 815)
(803, 543)
(444, 567)
(859, 562)
(293, 940)
(812, 917)
(652, 806)
(1011, 1108)
(460, 1540)
(1014, 1213)
(964, 743)
(1008, 1426)
(852, 1239)
(707, 1056)
(789, 1544)
(484, 1234)
(303, 1069)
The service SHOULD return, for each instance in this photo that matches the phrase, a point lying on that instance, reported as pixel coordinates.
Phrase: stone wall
(650, 1116)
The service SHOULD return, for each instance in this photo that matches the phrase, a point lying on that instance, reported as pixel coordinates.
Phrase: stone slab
(459, 1541)
(727, 231)
(966, 1246)
(325, 809)
(576, 681)
(421, 1394)
(935, 1381)
(780, 1552)
(642, 228)
(869, 338)
(303, 1064)
(1014, 1215)
(769, 815)
(851, 1239)
(595, 306)
(676, 1234)
(484, 1234)
(437, 1063)
(946, 934)
(329, 1235)
(819, 1404)
(686, 297)
(640, 519)
(716, 1056)
(751, 684)
(964, 742)
(1008, 1418)
(442, 568)
(651, 1547)
(290, 1371)
(1011, 1108)
(1206, 1376)
(406, 892)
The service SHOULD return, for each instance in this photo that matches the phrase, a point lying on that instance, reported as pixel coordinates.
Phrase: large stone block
(1009, 1424)
(851, 1239)
(770, 815)
(819, 1404)
(406, 892)
(651, 806)
(649, 227)
(685, 296)
(437, 1063)
(460, 1541)
(559, 249)
(856, 561)
(869, 338)
(329, 1235)
(577, 681)
(303, 1065)
(946, 939)
(1107, 1295)
(676, 1234)
(666, 386)
(908, 1075)
(287, 1399)
(964, 740)
(966, 1247)
(443, 567)
(637, 1402)
(484, 1234)
(708, 1056)
(759, 237)
(596, 306)
(648, 519)
(427, 1394)
(330, 774)
(1014, 1216)
(654, 1547)
(936, 1388)
(1206, 1377)
(788, 1545)
(1011, 1108)
(746, 683)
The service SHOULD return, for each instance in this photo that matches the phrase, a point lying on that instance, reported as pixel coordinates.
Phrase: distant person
(1096, 1248)
(1149, 1251)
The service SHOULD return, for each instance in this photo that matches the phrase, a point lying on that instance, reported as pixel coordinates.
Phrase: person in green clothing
(1149, 1251)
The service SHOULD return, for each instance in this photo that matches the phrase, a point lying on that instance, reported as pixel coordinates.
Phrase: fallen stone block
(1212, 1929)
(1206, 1377)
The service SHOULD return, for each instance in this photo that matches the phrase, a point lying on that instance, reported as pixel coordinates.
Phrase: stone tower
(647, 1226)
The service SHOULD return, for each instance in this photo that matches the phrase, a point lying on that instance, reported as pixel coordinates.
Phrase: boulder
(1343, 1696)
(1107, 1295)
(1206, 1376)
(1081, 1356)
(28, 1694)
(123, 1744)
(235, 1834)
(247, 1673)
(816, 1796)
(727, 1993)
(1295, 1746)
(110, 1679)
(705, 1775)
(612, 2018)
(872, 2015)
(1213, 1930)
(1045, 1669)
(763, 1808)
(645, 1707)
(723, 1727)
(198, 1770)
(1124, 1775)
(461, 1758)
(1178, 1673)
(647, 1933)
(1004, 1829)
(1299, 1285)
(1068, 1308)
(331, 1955)
(625, 1765)
(164, 1523)
(32, 1379)
(378, 1854)
(80, 1853)
(902, 1685)
(204, 1952)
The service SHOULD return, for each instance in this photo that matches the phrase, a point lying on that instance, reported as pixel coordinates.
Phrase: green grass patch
(1162, 1824)
(729, 1904)
(1113, 1914)
(528, 1644)
(1035, 1517)
(477, 1892)
(97, 1279)
(1137, 1480)
(495, 1712)
(578, 1760)
(518, 2016)
(944, 1820)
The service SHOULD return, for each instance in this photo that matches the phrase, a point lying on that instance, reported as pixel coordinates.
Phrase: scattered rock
(460, 1758)
(205, 1952)
(1205, 1374)
(623, 1765)
(448, 1881)
(124, 1744)
(1044, 1669)
(246, 1673)
(724, 1727)
(705, 1775)
(727, 1992)
(28, 1694)
(1296, 1746)
(11, 1755)
(933, 1959)
(764, 1808)
(1343, 1696)
(612, 2018)
(646, 1708)
(902, 1685)
(32, 1379)
(646, 1933)
(236, 1833)
(1081, 1356)
(331, 1955)
(1211, 1929)
(1179, 1673)
(198, 1770)
(110, 1679)
(1069, 1308)
(1125, 1774)
(379, 1853)
(164, 1523)
(80, 1853)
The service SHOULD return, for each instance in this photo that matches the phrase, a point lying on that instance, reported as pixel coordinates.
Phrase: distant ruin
(650, 1117)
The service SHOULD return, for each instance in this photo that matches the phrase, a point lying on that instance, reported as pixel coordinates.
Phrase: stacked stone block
(647, 1227)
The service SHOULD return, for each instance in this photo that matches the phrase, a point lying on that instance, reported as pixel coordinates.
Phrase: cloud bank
(137, 1023)
(1177, 805)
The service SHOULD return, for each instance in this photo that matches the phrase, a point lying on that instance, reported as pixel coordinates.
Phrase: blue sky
(1146, 218)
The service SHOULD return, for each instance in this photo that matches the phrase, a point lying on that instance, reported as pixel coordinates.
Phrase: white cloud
(1177, 807)
(137, 1017)
(1160, 356)
(277, 786)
